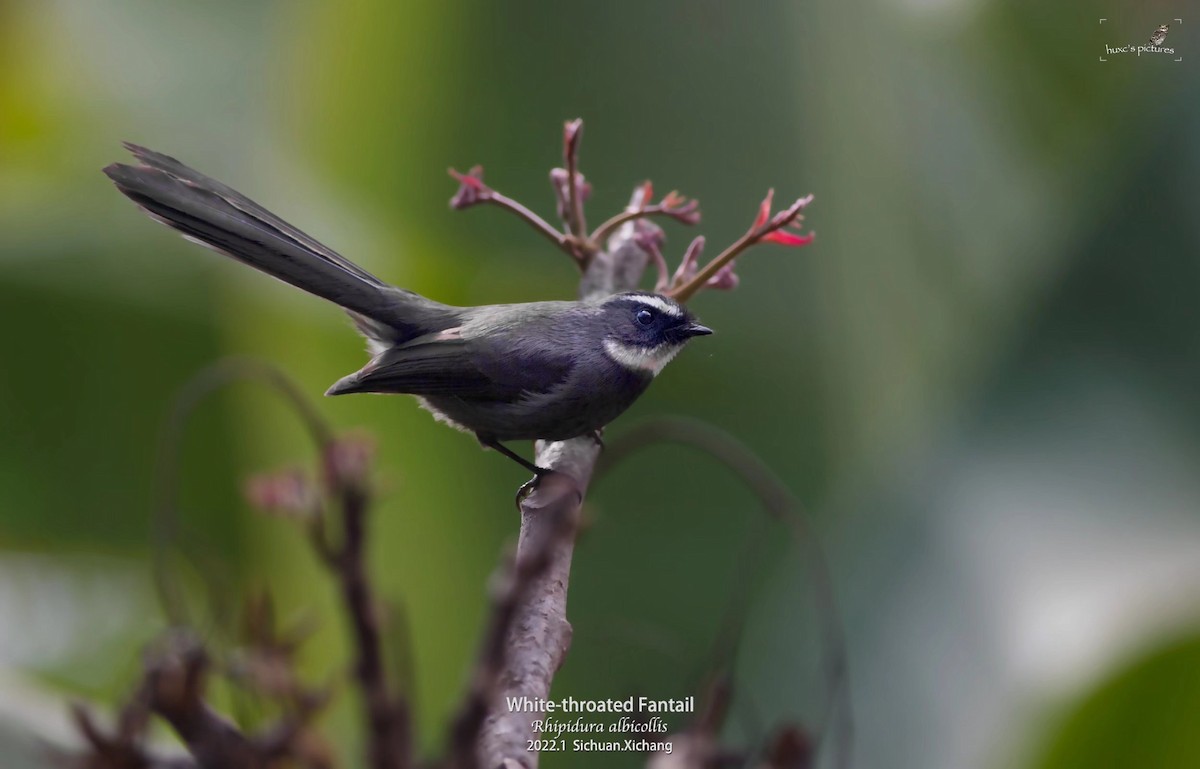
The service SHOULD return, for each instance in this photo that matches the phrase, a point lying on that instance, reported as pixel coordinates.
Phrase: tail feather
(178, 170)
(208, 212)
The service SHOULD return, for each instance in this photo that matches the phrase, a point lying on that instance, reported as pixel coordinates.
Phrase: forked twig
(345, 470)
(473, 191)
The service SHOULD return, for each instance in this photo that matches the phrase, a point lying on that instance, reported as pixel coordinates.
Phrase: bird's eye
(644, 317)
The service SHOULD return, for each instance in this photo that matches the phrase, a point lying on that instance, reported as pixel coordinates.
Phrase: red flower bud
(572, 131)
(647, 193)
(764, 210)
(348, 461)
(471, 189)
(776, 232)
(785, 238)
(289, 494)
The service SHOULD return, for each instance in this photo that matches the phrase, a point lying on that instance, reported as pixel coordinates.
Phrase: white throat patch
(652, 359)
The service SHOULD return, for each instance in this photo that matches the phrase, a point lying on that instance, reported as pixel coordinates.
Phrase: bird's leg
(492, 443)
(598, 436)
(538, 472)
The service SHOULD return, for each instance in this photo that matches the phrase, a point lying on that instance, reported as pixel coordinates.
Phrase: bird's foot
(530, 486)
(598, 436)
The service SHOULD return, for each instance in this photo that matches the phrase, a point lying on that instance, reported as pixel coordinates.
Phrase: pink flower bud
(786, 218)
(471, 189)
(689, 266)
(348, 461)
(558, 178)
(289, 493)
(725, 279)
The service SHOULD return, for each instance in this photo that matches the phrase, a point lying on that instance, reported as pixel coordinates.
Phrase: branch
(166, 514)
(117, 751)
(719, 272)
(472, 191)
(174, 683)
(790, 748)
(389, 726)
(346, 464)
(512, 586)
(613, 259)
(674, 206)
(539, 634)
(174, 679)
(698, 747)
(346, 470)
(576, 224)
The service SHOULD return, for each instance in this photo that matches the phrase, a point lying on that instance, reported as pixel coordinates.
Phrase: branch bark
(388, 723)
(539, 634)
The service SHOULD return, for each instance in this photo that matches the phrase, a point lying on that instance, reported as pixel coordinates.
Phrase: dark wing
(472, 369)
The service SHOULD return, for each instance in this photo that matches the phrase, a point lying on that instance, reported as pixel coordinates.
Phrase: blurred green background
(982, 379)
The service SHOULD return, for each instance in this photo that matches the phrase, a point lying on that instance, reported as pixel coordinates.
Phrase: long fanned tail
(212, 214)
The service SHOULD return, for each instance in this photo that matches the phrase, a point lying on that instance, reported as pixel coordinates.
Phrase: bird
(1159, 35)
(549, 370)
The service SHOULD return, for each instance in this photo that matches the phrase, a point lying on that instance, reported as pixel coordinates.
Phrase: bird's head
(644, 331)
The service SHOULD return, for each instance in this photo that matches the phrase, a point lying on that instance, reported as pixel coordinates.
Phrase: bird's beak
(695, 329)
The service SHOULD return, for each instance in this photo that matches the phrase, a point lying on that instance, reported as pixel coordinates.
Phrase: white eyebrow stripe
(658, 303)
(652, 359)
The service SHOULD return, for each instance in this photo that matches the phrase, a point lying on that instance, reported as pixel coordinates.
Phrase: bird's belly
(553, 419)
(507, 422)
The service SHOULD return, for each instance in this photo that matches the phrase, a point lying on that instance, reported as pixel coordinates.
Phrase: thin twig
(388, 720)
(778, 501)
(166, 514)
(175, 678)
(689, 289)
(473, 191)
(673, 205)
(756, 234)
(387, 716)
(572, 133)
(538, 223)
